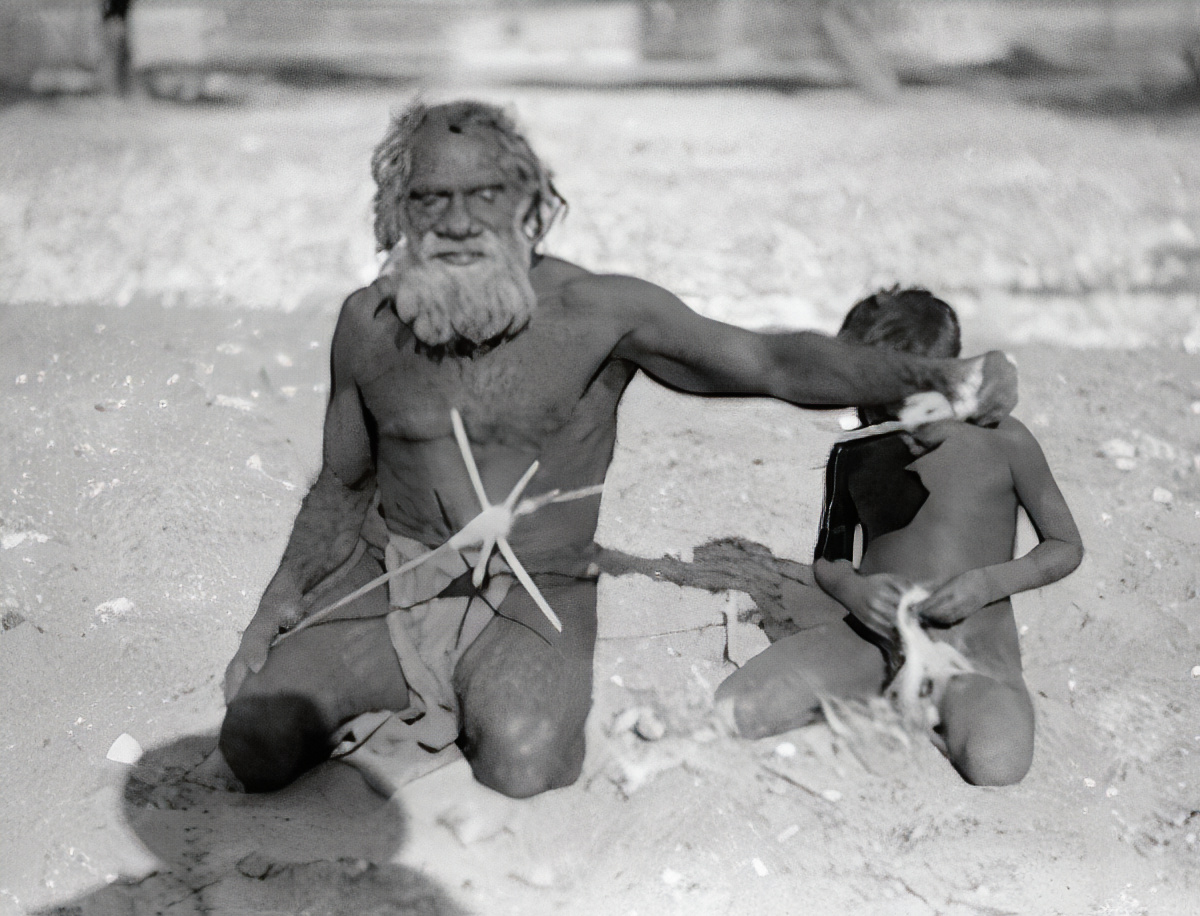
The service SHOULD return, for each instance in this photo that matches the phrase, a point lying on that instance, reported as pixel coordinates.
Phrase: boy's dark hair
(909, 320)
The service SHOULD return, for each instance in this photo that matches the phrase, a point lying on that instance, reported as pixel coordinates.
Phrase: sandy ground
(169, 279)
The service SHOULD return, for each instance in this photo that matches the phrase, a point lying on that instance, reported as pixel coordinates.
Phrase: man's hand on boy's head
(956, 599)
(986, 390)
(982, 390)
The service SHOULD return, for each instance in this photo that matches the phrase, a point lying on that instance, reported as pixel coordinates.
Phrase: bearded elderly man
(534, 354)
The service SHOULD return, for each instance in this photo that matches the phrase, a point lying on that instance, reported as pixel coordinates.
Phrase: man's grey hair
(391, 165)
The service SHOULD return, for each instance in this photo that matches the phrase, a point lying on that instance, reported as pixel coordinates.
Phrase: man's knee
(268, 741)
(524, 754)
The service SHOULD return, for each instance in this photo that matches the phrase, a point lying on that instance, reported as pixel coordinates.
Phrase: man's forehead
(442, 154)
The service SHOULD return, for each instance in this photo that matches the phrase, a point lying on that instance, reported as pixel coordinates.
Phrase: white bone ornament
(488, 530)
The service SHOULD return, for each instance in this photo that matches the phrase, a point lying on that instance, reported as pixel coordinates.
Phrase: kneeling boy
(936, 507)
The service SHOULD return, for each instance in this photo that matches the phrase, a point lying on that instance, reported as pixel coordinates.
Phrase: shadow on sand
(321, 846)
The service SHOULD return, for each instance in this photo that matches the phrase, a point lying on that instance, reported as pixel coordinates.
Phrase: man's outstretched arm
(327, 527)
(687, 351)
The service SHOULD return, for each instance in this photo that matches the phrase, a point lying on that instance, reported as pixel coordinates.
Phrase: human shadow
(321, 846)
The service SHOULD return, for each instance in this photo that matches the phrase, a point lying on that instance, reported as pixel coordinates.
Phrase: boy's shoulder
(1009, 431)
(1014, 433)
(1009, 443)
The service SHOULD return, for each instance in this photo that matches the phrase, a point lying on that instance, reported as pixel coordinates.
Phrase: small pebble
(649, 727)
(1125, 464)
(1090, 783)
(539, 876)
(831, 795)
(1162, 495)
(785, 750)
(625, 721)
(1196, 671)
(1118, 448)
(118, 607)
(1111, 792)
(670, 877)
(787, 833)
(759, 868)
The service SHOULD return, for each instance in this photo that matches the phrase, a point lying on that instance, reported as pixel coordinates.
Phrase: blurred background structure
(180, 47)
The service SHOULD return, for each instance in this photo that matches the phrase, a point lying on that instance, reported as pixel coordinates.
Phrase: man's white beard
(476, 302)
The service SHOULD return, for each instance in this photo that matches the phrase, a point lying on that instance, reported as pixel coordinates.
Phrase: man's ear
(392, 259)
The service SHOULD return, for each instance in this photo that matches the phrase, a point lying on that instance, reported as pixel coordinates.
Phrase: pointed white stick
(489, 529)
(313, 619)
(464, 446)
(481, 565)
(524, 578)
(511, 500)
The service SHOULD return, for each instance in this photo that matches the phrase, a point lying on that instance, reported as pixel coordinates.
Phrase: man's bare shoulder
(362, 306)
(554, 271)
(360, 325)
(634, 300)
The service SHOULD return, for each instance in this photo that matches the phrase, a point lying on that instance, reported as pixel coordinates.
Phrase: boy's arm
(872, 600)
(1059, 551)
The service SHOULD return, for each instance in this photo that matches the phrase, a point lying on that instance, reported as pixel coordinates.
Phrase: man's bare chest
(518, 393)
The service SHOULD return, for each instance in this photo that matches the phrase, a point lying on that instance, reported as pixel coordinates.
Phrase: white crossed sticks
(487, 530)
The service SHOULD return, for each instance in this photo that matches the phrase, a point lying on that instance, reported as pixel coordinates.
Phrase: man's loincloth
(430, 634)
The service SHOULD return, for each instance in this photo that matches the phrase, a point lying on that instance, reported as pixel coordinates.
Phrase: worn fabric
(430, 634)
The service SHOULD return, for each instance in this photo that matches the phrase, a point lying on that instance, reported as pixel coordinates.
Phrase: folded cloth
(430, 634)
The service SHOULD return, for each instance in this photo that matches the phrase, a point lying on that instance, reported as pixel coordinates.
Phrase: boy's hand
(956, 599)
(877, 600)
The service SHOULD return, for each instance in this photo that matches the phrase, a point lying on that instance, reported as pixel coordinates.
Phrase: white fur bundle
(917, 688)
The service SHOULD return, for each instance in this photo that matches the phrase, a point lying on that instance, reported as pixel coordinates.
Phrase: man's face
(462, 272)
(459, 194)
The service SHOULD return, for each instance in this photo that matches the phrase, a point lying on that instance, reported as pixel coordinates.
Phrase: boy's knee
(524, 754)
(990, 734)
(758, 709)
(268, 741)
(990, 764)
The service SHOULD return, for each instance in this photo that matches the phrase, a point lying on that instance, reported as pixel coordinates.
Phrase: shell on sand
(125, 750)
